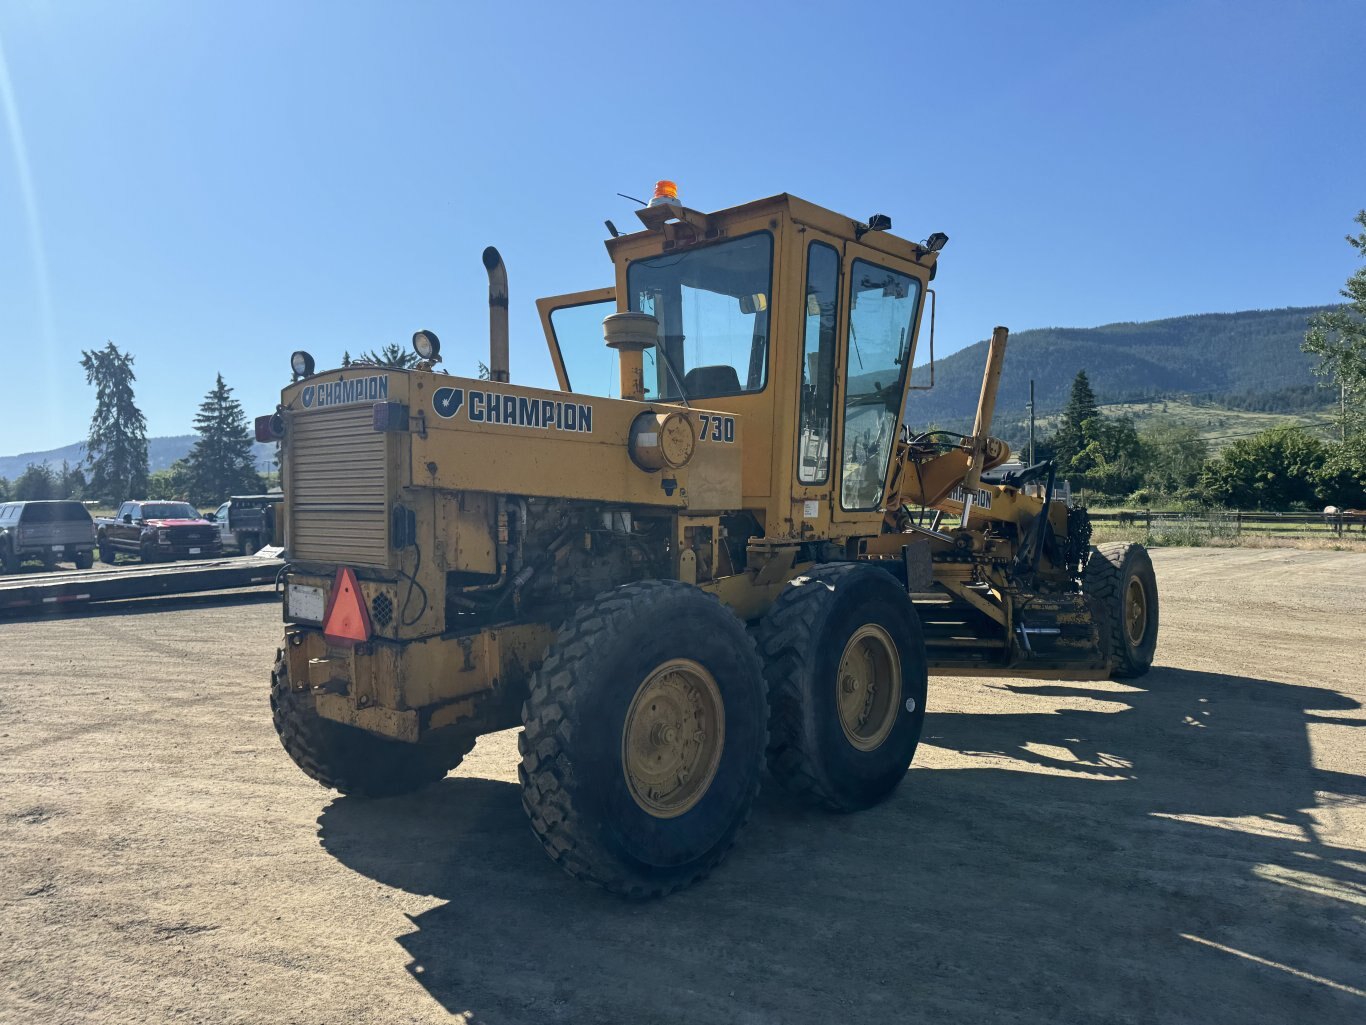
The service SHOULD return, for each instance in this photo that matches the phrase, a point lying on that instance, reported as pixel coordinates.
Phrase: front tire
(643, 738)
(348, 759)
(847, 678)
(107, 553)
(1122, 586)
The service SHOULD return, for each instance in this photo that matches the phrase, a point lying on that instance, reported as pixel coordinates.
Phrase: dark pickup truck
(50, 531)
(157, 530)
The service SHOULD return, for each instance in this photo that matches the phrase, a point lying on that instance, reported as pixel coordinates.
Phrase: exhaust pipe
(498, 315)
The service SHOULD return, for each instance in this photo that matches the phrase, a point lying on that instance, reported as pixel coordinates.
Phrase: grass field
(1218, 425)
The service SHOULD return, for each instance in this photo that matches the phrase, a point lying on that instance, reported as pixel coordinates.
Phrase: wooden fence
(1232, 522)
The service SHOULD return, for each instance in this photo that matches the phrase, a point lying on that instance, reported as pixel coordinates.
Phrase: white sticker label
(304, 602)
(811, 509)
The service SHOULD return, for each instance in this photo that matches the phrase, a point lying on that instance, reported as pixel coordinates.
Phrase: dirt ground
(1189, 849)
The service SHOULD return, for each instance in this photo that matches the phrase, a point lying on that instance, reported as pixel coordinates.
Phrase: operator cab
(798, 319)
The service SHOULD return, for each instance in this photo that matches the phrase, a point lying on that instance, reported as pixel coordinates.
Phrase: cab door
(573, 332)
(221, 521)
(815, 473)
(882, 299)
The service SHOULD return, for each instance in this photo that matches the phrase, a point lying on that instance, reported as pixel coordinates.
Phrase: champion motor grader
(740, 557)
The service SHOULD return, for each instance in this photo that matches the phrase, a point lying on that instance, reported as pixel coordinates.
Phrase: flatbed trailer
(32, 591)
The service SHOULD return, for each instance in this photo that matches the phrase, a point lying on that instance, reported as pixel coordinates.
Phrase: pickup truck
(246, 522)
(157, 530)
(51, 531)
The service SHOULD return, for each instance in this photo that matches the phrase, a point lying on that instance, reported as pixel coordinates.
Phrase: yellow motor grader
(714, 546)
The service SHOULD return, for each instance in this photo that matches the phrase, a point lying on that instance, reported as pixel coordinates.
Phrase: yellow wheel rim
(868, 687)
(671, 742)
(1135, 611)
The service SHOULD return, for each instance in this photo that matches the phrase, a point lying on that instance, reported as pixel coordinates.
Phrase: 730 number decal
(718, 428)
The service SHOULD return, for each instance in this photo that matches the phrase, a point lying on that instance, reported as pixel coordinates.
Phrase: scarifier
(715, 545)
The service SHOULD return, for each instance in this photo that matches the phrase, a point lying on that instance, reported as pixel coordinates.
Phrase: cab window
(882, 309)
(589, 364)
(712, 304)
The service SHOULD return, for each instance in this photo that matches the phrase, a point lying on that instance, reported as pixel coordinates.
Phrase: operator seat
(711, 382)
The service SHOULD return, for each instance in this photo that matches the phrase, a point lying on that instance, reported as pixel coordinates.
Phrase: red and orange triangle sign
(346, 621)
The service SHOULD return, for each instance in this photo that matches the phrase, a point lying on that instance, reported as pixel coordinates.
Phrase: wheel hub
(1135, 611)
(869, 687)
(672, 738)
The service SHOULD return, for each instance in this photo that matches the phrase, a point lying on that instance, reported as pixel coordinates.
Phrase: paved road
(1190, 849)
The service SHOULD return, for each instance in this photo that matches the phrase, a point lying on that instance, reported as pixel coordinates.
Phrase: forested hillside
(1249, 360)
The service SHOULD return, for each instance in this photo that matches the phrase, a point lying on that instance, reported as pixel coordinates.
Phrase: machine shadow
(1089, 871)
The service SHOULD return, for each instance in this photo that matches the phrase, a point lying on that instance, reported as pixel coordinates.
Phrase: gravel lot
(1190, 849)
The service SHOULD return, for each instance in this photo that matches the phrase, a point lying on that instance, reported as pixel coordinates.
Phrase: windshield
(713, 310)
(169, 511)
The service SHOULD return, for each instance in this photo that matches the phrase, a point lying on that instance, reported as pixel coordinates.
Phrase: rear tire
(8, 560)
(1122, 586)
(250, 545)
(83, 560)
(348, 759)
(847, 678)
(644, 738)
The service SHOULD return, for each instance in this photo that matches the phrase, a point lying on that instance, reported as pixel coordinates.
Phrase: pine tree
(221, 463)
(1072, 436)
(116, 449)
(394, 355)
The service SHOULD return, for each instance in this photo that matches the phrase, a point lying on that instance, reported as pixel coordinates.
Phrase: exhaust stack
(498, 315)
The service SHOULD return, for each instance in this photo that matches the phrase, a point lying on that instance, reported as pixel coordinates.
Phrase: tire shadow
(1152, 856)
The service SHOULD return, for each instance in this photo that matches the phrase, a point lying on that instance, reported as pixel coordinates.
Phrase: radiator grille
(338, 488)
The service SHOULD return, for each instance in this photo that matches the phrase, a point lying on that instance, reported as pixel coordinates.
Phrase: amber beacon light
(665, 192)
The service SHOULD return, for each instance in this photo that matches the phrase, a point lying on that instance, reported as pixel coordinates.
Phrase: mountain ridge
(161, 453)
(1246, 356)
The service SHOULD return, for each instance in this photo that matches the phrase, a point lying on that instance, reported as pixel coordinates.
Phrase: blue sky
(213, 186)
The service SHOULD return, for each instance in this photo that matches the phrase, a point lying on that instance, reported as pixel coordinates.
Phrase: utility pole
(1031, 422)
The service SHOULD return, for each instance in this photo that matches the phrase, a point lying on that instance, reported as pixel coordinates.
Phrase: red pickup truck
(157, 530)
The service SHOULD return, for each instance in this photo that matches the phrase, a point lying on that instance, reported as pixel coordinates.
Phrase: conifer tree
(116, 449)
(222, 462)
(1072, 436)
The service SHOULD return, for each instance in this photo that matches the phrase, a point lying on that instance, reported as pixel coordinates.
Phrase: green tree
(70, 481)
(1174, 457)
(398, 357)
(1277, 469)
(1338, 338)
(36, 484)
(1071, 436)
(4, 489)
(170, 484)
(222, 462)
(116, 449)
(1112, 460)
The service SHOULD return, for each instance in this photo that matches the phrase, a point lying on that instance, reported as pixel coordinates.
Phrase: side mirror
(127, 517)
(211, 517)
(756, 303)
